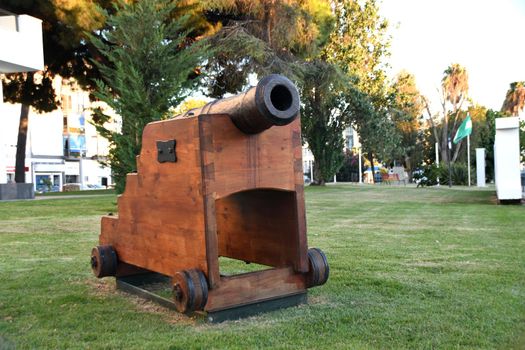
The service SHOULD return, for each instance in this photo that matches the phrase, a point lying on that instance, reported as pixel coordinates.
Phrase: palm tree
(455, 90)
(515, 99)
(455, 85)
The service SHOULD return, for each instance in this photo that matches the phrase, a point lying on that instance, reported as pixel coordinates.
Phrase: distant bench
(388, 179)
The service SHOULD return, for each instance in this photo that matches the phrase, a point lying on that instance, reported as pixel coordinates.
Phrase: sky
(487, 37)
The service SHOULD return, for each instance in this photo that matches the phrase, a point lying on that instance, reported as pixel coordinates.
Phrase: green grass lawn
(410, 268)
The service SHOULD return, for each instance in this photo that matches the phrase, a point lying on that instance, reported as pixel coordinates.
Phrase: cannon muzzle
(274, 101)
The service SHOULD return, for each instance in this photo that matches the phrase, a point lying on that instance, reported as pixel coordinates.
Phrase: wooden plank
(243, 162)
(301, 263)
(208, 191)
(160, 225)
(255, 286)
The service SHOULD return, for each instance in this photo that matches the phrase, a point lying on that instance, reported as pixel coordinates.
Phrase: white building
(21, 51)
(62, 146)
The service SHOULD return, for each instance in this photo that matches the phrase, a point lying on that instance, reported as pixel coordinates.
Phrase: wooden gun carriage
(223, 180)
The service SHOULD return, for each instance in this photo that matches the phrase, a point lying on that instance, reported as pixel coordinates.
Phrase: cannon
(224, 180)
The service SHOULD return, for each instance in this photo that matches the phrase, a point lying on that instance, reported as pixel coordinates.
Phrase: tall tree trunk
(317, 174)
(456, 151)
(20, 172)
(269, 13)
(371, 160)
(444, 141)
(408, 164)
(437, 139)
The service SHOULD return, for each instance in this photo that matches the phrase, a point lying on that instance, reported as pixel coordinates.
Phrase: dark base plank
(248, 310)
(136, 285)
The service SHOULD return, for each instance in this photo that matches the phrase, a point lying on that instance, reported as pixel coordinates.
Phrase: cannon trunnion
(223, 180)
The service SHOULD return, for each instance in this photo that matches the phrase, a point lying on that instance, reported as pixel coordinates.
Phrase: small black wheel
(319, 270)
(190, 290)
(104, 261)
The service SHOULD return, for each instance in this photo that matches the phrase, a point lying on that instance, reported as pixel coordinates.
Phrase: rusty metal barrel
(274, 101)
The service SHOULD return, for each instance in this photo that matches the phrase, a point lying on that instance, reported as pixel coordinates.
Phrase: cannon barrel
(274, 101)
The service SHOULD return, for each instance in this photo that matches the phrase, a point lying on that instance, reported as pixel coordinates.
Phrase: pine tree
(150, 60)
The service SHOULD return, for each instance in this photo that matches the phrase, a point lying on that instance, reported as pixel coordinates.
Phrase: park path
(72, 196)
(41, 198)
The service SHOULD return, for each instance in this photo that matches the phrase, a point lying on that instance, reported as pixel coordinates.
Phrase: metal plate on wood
(166, 151)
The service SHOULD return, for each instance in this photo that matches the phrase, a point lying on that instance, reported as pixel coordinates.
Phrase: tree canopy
(359, 46)
(330, 103)
(406, 112)
(262, 37)
(455, 86)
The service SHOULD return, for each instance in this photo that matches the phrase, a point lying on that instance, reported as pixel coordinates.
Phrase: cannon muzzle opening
(277, 99)
(274, 101)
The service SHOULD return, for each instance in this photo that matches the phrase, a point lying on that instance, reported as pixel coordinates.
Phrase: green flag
(464, 129)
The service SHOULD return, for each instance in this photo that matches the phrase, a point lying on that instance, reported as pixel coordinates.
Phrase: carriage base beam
(135, 285)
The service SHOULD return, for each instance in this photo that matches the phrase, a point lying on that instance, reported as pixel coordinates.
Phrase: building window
(47, 182)
(72, 179)
(66, 104)
(349, 142)
(74, 146)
